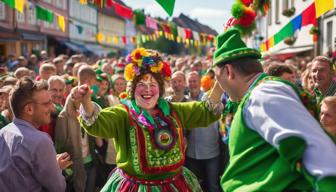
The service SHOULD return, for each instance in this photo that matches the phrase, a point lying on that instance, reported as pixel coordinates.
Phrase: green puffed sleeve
(194, 114)
(109, 123)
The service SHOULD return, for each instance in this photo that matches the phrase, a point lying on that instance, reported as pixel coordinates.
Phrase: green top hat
(230, 47)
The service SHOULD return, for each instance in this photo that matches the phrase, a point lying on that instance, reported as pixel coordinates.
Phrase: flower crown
(142, 61)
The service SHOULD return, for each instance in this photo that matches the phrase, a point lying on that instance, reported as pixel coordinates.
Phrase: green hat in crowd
(230, 47)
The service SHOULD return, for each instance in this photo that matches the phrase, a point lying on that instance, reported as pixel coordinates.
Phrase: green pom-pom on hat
(230, 46)
(237, 10)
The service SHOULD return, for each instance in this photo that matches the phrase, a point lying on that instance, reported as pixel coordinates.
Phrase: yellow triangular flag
(115, 40)
(19, 5)
(83, 2)
(323, 6)
(108, 39)
(61, 22)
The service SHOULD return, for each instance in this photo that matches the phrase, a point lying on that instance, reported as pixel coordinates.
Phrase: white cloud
(209, 13)
(214, 18)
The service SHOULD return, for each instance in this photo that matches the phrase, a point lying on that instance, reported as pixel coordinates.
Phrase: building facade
(327, 40)
(280, 14)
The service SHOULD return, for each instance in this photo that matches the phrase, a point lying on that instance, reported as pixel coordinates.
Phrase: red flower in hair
(166, 70)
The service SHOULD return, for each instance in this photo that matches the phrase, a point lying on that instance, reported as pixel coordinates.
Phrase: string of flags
(159, 28)
(306, 17)
(42, 13)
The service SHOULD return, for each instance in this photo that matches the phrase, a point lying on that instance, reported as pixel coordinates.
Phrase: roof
(186, 22)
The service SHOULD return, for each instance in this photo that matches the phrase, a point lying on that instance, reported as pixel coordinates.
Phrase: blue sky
(213, 13)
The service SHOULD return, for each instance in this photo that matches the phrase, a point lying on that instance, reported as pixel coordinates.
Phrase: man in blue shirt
(28, 158)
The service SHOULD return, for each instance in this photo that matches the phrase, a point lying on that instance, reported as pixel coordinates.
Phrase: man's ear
(230, 71)
(28, 109)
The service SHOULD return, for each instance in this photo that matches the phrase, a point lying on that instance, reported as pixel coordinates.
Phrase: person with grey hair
(28, 160)
(56, 89)
(22, 72)
(46, 70)
(178, 84)
(323, 73)
(203, 150)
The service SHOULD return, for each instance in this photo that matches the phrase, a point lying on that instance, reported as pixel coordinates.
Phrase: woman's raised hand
(82, 93)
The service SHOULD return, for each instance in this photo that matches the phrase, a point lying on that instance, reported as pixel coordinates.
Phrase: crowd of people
(156, 122)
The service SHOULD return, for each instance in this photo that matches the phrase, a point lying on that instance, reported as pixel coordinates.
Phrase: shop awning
(98, 49)
(32, 37)
(293, 50)
(288, 52)
(77, 47)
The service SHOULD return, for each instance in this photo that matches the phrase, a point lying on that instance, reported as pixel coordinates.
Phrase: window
(60, 4)
(24, 49)
(329, 33)
(269, 17)
(31, 14)
(285, 5)
(2, 11)
(277, 14)
(47, 1)
(20, 17)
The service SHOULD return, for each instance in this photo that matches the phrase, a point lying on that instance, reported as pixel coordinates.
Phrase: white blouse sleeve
(275, 111)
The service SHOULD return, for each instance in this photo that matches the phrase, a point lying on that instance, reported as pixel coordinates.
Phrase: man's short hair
(21, 71)
(57, 60)
(56, 78)
(278, 69)
(245, 66)
(23, 93)
(86, 72)
(178, 73)
(193, 73)
(47, 67)
(324, 59)
(330, 101)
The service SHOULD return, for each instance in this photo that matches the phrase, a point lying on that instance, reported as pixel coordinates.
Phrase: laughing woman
(148, 131)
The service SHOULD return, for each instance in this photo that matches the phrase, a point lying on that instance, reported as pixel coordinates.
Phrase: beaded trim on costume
(149, 155)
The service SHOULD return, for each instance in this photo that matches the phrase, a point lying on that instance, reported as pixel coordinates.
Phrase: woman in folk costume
(148, 131)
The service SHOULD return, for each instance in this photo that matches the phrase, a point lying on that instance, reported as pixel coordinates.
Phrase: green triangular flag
(140, 18)
(10, 3)
(44, 14)
(167, 5)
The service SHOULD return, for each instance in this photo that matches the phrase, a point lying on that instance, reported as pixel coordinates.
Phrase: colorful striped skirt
(119, 181)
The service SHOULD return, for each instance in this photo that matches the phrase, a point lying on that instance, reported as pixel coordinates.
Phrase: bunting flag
(83, 2)
(79, 29)
(61, 22)
(44, 14)
(167, 5)
(309, 16)
(124, 39)
(180, 32)
(115, 40)
(109, 3)
(196, 35)
(108, 39)
(140, 18)
(100, 37)
(188, 34)
(166, 28)
(99, 3)
(297, 22)
(151, 23)
(15, 4)
(323, 6)
(123, 11)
